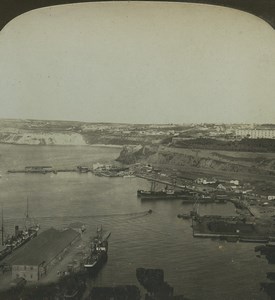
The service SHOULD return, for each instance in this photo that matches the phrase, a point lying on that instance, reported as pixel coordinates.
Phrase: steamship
(20, 236)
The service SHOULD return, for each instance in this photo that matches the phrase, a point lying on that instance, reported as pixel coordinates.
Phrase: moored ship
(166, 193)
(163, 194)
(98, 252)
(19, 238)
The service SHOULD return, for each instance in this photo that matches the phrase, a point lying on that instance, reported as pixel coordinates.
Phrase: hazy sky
(138, 62)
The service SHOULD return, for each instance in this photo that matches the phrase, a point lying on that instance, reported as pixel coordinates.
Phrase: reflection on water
(197, 268)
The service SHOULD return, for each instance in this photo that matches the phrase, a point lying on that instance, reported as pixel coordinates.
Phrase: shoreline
(66, 145)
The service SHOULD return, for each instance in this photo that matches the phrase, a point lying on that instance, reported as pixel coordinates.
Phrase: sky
(138, 62)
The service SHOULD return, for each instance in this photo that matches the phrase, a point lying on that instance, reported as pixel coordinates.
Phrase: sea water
(197, 268)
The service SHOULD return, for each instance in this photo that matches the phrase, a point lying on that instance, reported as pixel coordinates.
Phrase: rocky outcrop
(133, 154)
(194, 161)
(261, 163)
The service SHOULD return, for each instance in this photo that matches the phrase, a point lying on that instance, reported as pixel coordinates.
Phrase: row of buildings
(226, 135)
(256, 133)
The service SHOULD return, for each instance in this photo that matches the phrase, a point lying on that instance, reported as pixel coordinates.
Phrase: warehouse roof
(43, 248)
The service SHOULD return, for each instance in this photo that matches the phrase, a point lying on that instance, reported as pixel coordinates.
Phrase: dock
(233, 237)
(50, 169)
(231, 229)
(214, 235)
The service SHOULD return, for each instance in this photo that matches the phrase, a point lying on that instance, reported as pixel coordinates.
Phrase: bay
(197, 268)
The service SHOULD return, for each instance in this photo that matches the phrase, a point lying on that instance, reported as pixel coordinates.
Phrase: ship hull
(94, 267)
(23, 242)
(5, 253)
(12, 247)
(162, 195)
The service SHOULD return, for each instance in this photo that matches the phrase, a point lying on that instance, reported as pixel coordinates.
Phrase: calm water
(197, 268)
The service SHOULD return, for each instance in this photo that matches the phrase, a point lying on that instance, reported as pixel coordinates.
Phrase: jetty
(231, 229)
(50, 169)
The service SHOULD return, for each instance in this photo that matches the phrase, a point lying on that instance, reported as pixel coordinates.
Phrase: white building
(256, 133)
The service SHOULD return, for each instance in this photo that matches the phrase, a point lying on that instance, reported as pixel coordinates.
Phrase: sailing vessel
(98, 252)
(20, 237)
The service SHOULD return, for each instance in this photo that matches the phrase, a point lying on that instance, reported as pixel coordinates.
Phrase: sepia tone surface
(137, 155)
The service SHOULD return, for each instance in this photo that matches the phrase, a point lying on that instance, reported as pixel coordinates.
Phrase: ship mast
(2, 227)
(27, 212)
(174, 183)
(153, 185)
(27, 219)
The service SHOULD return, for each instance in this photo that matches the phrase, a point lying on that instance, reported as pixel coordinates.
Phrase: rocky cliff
(225, 161)
(134, 154)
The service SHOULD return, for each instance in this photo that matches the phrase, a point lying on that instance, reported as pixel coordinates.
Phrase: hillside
(197, 160)
(43, 132)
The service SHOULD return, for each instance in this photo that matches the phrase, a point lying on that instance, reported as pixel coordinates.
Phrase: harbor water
(197, 268)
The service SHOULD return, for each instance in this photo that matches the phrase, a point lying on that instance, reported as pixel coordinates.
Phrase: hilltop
(49, 132)
(193, 149)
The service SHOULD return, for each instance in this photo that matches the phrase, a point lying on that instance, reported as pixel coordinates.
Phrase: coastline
(65, 145)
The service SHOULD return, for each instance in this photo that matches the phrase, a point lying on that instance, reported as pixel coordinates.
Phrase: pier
(233, 237)
(50, 169)
(231, 229)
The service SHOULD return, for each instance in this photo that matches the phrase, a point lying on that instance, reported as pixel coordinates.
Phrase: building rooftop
(44, 247)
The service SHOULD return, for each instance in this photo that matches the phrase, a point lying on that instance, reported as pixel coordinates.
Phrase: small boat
(184, 216)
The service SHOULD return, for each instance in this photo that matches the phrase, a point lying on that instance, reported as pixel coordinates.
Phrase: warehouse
(34, 260)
